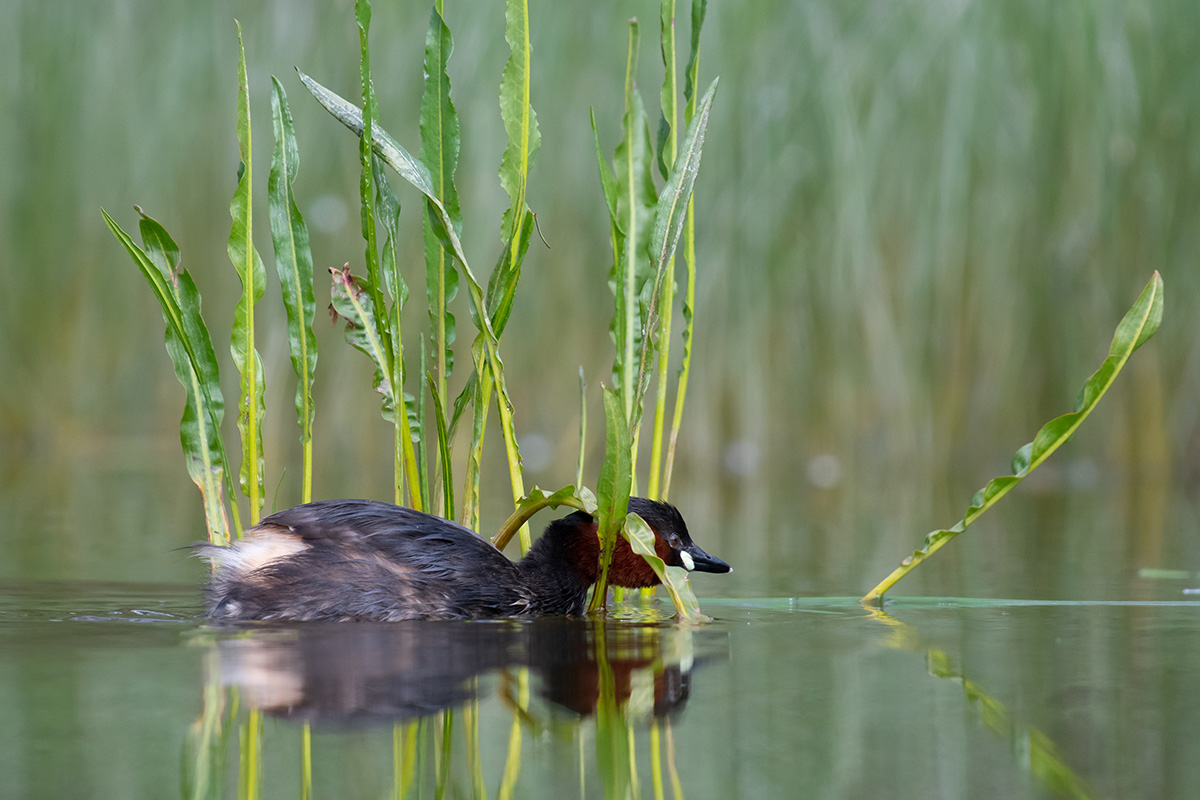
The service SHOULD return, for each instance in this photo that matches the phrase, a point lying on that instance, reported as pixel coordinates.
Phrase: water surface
(121, 690)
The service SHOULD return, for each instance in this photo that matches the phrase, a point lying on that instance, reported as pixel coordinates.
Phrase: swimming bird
(341, 560)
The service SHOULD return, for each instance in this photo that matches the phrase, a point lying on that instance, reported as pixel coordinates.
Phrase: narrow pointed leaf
(440, 142)
(636, 201)
(1135, 328)
(669, 217)
(250, 271)
(444, 443)
(520, 122)
(699, 8)
(293, 261)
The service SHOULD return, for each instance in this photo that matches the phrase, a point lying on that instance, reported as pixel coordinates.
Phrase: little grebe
(364, 560)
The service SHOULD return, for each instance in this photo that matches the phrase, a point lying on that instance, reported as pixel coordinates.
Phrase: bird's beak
(696, 560)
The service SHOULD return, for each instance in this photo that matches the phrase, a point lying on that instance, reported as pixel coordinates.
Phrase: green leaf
(675, 579)
(415, 173)
(1135, 328)
(613, 488)
(351, 299)
(293, 261)
(396, 157)
(195, 362)
(409, 433)
(502, 285)
(667, 132)
(699, 8)
(535, 501)
(250, 271)
(479, 403)
(444, 443)
(669, 217)
(520, 123)
(366, 184)
(440, 142)
(636, 199)
(608, 183)
(692, 75)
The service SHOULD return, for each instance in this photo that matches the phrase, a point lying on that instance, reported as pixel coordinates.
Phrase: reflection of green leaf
(641, 539)
(1036, 750)
(1135, 328)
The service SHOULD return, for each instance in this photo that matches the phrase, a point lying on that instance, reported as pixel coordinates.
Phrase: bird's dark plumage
(360, 559)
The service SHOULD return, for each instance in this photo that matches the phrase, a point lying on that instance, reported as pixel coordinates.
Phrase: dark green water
(113, 690)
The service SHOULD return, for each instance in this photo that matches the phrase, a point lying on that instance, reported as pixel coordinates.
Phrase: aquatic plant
(1134, 330)
(647, 227)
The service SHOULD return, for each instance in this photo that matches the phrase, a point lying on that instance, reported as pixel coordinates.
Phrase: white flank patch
(260, 547)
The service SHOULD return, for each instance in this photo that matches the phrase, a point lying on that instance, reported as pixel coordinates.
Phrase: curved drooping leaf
(393, 154)
(613, 488)
(415, 173)
(675, 579)
(1137, 326)
(195, 363)
(250, 271)
(293, 261)
(440, 142)
(535, 501)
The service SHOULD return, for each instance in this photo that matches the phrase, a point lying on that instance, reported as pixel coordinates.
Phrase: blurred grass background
(918, 224)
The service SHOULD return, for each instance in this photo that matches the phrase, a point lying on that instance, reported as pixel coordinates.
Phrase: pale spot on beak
(686, 558)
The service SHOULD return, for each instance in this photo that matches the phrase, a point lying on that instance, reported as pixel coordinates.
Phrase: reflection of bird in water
(354, 674)
(362, 560)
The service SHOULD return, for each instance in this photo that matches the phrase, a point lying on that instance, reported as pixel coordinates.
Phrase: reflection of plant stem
(676, 784)
(404, 744)
(251, 740)
(208, 738)
(656, 760)
(582, 762)
(306, 762)
(471, 724)
(1036, 748)
(512, 765)
(443, 764)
